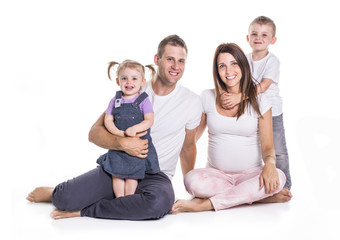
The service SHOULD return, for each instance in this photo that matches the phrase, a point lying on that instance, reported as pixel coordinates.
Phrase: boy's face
(260, 37)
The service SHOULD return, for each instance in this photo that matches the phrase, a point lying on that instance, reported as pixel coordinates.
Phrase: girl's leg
(118, 185)
(130, 186)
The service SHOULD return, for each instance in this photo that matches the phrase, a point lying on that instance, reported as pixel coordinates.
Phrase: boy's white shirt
(175, 112)
(268, 67)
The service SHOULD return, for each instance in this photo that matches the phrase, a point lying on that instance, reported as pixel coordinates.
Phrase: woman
(240, 138)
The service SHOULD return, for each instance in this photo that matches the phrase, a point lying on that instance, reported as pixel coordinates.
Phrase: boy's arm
(142, 126)
(229, 100)
(263, 85)
(111, 127)
(133, 146)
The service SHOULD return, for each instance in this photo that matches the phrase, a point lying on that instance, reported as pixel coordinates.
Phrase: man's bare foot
(40, 194)
(57, 214)
(194, 205)
(283, 196)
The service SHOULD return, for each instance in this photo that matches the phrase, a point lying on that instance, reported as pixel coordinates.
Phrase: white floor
(305, 216)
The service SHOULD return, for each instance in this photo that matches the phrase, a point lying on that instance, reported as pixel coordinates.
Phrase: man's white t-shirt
(234, 144)
(174, 113)
(268, 67)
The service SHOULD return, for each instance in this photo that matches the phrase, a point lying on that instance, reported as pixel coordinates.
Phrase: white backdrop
(53, 60)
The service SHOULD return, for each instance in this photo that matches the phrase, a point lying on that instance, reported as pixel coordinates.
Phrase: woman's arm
(269, 177)
(111, 127)
(142, 126)
(131, 145)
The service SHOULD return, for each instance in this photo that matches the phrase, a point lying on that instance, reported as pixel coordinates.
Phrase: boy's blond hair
(262, 20)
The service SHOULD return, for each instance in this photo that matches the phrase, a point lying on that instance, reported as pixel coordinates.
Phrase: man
(177, 115)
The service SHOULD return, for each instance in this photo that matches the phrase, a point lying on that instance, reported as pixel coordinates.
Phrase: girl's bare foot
(194, 205)
(57, 214)
(40, 194)
(283, 196)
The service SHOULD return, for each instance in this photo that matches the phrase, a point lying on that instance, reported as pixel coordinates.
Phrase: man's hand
(135, 146)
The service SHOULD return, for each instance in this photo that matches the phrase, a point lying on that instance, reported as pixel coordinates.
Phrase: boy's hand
(229, 100)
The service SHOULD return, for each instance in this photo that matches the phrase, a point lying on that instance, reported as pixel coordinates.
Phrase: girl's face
(229, 71)
(130, 81)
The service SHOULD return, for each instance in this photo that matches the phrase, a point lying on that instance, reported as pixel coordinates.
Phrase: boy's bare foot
(57, 214)
(194, 205)
(283, 196)
(40, 194)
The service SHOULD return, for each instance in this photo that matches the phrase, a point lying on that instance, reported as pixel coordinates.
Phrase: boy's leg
(130, 186)
(282, 159)
(118, 186)
(153, 199)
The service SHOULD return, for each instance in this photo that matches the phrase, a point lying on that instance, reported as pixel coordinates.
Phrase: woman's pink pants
(227, 190)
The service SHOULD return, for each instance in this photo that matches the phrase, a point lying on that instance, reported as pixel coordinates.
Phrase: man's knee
(62, 198)
(160, 202)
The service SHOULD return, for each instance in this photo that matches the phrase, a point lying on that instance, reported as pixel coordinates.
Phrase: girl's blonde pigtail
(111, 65)
(153, 71)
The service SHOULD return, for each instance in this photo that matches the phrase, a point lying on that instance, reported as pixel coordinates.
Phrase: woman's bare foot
(194, 205)
(57, 214)
(40, 194)
(283, 196)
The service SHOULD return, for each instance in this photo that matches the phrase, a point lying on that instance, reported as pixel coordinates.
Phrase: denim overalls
(119, 163)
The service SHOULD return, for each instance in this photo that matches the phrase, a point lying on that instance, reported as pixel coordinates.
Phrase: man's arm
(131, 145)
(188, 152)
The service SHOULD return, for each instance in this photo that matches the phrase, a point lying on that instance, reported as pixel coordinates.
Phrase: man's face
(171, 65)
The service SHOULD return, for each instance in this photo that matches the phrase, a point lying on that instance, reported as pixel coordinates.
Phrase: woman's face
(229, 71)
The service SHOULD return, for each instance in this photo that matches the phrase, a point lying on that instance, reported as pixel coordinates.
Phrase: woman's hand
(269, 178)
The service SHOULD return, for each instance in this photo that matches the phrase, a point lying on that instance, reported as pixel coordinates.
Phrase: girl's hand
(130, 132)
(229, 100)
(269, 178)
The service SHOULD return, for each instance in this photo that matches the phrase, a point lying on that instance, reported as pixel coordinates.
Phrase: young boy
(265, 68)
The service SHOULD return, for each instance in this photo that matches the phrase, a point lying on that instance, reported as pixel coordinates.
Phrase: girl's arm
(142, 126)
(269, 177)
(111, 127)
(131, 145)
